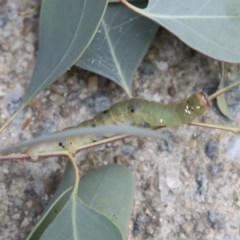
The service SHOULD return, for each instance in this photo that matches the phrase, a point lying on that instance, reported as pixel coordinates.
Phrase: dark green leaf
(66, 29)
(119, 45)
(103, 214)
(78, 222)
(211, 27)
(56, 204)
(109, 191)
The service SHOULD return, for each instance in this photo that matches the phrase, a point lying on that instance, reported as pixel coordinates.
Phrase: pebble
(187, 227)
(16, 216)
(26, 221)
(47, 127)
(216, 221)
(147, 69)
(233, 151)
(165, 143)
(129, 151)
(201, 187)
(98, 103)
(140, 223)
(92, 83)
(215, 169)
(233, 99)
(3, 20)
(211, 149)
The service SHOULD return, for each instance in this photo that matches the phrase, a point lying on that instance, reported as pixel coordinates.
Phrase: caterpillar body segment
(135, 112)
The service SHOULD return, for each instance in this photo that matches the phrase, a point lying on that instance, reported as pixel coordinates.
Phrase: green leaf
(66, 29)
(109, 191)
(119, 45)
(221, 99)
(211, 27)
(56, 204)
(100, 211)
(77, 222)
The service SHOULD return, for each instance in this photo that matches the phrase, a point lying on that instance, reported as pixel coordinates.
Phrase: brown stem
(223, 90)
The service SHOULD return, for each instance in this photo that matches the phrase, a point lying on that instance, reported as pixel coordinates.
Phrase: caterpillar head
(197, 104)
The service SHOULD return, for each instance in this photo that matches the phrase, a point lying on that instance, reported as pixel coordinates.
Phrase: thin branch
(15, 157)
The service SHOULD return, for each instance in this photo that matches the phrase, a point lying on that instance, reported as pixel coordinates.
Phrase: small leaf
(221, 99)
(211, 27)
(66, 29)
(119, 45)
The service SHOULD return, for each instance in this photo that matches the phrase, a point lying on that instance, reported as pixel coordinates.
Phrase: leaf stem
(221, 127)
(103, 141)
(223, 90)
(15, 157)
(76, 172)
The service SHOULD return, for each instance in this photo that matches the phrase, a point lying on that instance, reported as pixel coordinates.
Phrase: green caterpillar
(135, 112)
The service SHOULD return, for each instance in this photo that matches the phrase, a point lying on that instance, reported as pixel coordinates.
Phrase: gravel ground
(187, 183)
